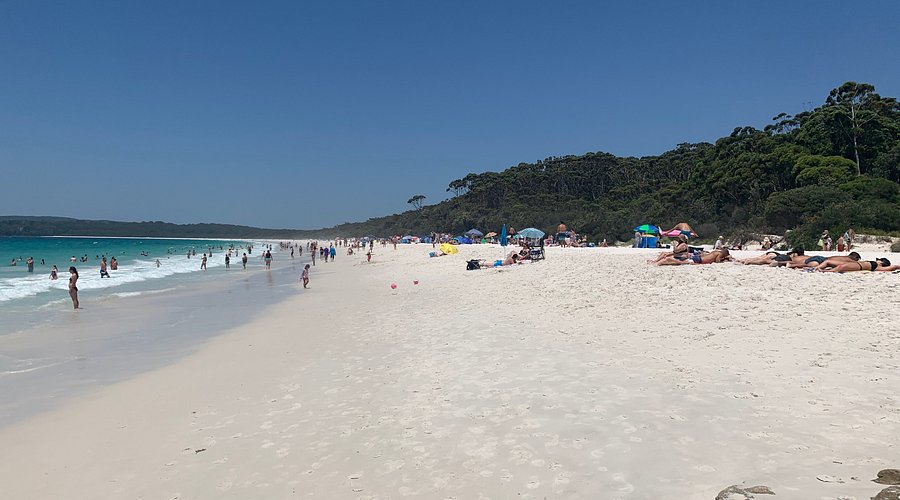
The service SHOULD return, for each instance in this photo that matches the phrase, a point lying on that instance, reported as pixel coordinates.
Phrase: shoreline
(587, 375)
(121, 334)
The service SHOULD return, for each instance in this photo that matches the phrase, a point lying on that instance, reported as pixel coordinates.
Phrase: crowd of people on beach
(796, 258)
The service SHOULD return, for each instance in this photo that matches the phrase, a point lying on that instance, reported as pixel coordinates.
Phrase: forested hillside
(834, 167)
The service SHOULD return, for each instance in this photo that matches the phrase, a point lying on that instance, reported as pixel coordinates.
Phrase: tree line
(833, 167)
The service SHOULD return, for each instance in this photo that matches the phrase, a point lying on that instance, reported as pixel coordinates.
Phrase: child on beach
(305, 275)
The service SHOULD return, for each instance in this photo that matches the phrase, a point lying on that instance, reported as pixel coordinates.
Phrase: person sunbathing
(837, 260)
(714, 257)
(773, 258)
(680, 251)
(877, 265)
(762, 260)
(512, 258)
(808, 262)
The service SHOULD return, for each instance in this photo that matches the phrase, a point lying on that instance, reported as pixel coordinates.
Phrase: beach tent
(649, 236)
(463, 240)
(530, 232)
(474, 232)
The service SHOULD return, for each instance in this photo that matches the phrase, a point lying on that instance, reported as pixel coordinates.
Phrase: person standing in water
(30, 264)
(103, 272)
(244, 260)
(268, 258)
(54, 273)
(203, 263)
(227, 261)
(73, 288)
(305, 276)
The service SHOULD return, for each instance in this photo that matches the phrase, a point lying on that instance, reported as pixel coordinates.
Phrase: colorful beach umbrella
(647, 229)
(449, 249)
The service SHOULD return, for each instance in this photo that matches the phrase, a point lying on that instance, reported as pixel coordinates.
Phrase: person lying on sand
(512, 258)
(714, 257)
(808, 262)
(679, 252)
(771, 258)
(837, 260)
(878, 265)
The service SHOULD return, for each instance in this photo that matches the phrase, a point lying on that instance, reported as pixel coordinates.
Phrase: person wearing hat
(720, 243)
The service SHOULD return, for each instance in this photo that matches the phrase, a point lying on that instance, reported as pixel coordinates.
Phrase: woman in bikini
(877, 265)
(713, 257)
(679, 252)
(73, 289)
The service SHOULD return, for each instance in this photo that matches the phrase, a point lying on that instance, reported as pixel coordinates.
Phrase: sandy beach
(587, 375)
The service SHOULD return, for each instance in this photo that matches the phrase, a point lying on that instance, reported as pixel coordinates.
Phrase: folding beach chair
(538, 253)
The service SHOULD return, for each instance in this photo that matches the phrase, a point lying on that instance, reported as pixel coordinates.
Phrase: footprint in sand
(533, 483)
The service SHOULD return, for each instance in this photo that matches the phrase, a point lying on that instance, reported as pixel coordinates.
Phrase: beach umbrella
(474, 232)
(449, 249)
(531, 232)
(647, 229)
(491, 234)
(503, 239)
(676, 232)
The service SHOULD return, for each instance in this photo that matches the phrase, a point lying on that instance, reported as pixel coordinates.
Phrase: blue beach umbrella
(503, 239)
(531, 232)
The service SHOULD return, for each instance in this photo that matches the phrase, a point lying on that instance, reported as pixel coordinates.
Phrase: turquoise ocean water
(136, 257)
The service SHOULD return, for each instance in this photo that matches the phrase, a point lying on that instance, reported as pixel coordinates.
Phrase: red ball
(393, 286)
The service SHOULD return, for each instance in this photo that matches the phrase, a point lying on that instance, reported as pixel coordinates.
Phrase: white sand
(589, 375)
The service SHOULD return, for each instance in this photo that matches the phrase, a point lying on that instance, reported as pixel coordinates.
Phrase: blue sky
(308, 114)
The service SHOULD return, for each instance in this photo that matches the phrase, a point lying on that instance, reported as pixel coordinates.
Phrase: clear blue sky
(307, 114)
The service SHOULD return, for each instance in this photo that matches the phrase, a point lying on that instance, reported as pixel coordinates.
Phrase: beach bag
(472, 265)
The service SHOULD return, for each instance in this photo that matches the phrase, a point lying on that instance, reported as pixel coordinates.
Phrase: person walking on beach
(332, 252)
(203, 263)
(268, 259)
(103, 273)
(244, 260)
(305, 276)
(227, 261)
(30, 264)
(312, 254)
(73, 288)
